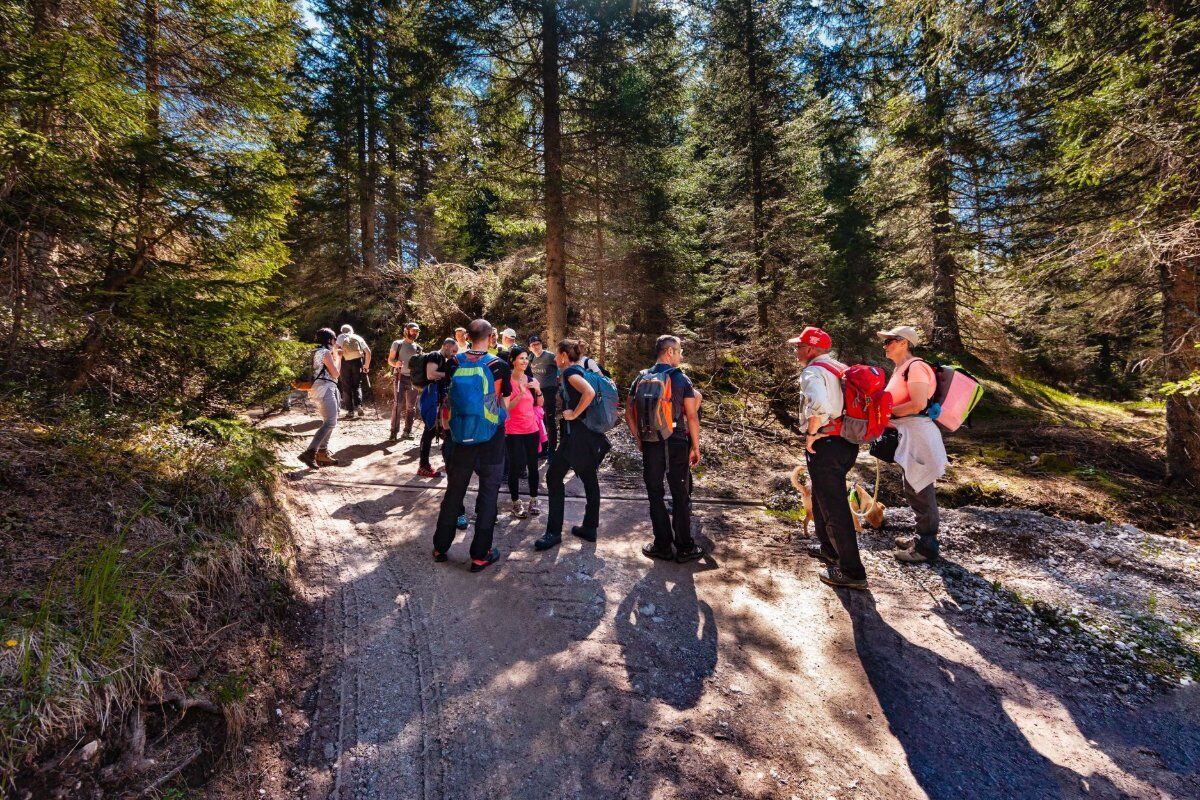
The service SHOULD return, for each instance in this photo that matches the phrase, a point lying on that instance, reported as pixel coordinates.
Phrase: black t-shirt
(439, 364)
(573, 394)
(681, 389)
(501, 372)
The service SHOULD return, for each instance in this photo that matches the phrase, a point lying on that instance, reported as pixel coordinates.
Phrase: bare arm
(394, 356)
(631, 421)
(584, 388)
(432, 375)
(919, 394)
(691, 410)
(367, 359)
(333, 365)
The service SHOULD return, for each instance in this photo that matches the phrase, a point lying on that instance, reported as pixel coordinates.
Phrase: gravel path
(590, 672)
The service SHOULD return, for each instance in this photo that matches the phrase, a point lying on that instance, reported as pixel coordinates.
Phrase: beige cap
(906, 332)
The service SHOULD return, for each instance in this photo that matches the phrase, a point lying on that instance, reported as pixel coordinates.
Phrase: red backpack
(866, 407)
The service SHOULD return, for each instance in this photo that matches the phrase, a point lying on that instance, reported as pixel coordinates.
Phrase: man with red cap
(830, 458)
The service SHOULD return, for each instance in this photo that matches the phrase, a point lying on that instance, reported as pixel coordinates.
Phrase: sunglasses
(892, 339)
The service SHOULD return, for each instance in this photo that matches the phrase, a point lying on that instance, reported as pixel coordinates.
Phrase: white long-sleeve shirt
(820, 390)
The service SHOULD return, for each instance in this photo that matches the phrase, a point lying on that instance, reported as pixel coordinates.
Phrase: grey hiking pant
(327, 408)
(924, 506)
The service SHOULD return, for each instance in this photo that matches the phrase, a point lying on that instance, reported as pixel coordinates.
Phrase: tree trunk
(555, 213)
(945, 335)
(366, 114)
(1180, 285)
(422, 218)
(757, 189)
(601, 294)
(391, 200)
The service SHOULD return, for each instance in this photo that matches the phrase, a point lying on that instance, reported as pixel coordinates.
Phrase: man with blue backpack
(663, 415)
(589, 411)
(478, 392)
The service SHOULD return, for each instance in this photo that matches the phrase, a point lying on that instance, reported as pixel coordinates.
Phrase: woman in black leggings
(579, 448)
(523, 433)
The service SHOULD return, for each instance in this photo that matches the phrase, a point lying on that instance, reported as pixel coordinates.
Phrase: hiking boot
(308, 459)
(393, 436)
(821, 554)
(517, 510)
(906, 542)
(531, 507)
(547, 541)
(587, 534)
(358, 412)
(650, 551)
(833, 576)
(480, 564)
(325, 460)
(915, 556)
(440, 558)
(689, 554)
(407, 434)
(426, 471)
(462, 523)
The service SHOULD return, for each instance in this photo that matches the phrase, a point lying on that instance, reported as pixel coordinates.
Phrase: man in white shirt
(404, 394)
(356, 362)
(830, 458)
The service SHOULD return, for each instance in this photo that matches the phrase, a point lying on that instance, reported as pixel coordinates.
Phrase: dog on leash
(863, 508)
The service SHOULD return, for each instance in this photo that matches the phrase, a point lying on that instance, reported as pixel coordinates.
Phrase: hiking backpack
(866, 407)
(306, 379)
(601, 415)
(476, 412)
(416, 368)
(351, 347)
(652, 405)
(954, 397)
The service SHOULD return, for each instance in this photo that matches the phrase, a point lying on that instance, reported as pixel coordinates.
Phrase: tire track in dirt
(589, 672)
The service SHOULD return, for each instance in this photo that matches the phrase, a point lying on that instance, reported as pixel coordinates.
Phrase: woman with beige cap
(921, 452)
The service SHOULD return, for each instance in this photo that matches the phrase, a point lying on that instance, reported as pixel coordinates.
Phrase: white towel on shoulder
(921, 453)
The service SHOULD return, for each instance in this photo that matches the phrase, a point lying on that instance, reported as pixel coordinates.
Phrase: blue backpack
(476, 412)
(601, 415)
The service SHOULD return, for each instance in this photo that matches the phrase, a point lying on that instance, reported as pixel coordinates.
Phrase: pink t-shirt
(521, 418)
(919, 372)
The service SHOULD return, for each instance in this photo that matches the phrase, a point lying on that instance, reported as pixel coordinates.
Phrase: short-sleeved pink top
(918, 372)
(521, 418)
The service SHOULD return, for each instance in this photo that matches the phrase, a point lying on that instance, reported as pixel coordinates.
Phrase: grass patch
(124, 542)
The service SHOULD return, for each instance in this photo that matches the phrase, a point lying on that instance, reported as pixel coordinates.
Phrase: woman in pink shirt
(523, 433)
(921, 453)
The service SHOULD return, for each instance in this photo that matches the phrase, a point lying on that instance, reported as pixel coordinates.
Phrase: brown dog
(862, 506)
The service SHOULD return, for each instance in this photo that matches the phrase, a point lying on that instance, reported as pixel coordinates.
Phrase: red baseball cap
(814, 337)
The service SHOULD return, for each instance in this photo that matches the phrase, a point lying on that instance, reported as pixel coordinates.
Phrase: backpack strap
(836, 373)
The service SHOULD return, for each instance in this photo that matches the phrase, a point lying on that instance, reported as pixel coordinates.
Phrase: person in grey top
(405, 394)
(543, 367)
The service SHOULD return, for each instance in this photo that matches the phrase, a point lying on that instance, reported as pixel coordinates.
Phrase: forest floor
(1043, 657)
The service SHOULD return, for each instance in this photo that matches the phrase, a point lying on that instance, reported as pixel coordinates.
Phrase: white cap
(509, 332)
(906, 332)
(347, 329)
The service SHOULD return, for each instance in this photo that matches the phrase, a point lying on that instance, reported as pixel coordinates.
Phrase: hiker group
(501, 409)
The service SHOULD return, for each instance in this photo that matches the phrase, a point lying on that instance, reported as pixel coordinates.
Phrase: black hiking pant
(828, 468)
(522, 457)
(427, 444)
(351, 380)
(550, 409)
(576, 452)
(465, 460)
(669, 460)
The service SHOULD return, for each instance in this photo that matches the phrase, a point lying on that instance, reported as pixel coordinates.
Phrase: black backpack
(416, 369)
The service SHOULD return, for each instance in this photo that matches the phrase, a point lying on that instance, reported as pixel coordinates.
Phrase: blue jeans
(464, 460)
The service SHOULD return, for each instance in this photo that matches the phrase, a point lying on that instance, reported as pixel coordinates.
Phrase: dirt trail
(590, 672)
